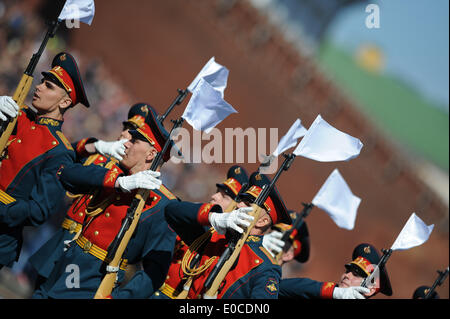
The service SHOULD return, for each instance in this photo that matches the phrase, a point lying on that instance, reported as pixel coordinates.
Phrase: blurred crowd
(21, 32)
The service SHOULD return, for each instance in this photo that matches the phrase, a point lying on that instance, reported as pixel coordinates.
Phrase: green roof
(392, 105)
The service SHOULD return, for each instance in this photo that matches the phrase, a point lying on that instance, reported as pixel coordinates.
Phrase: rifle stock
(19, 97)
(109, 280)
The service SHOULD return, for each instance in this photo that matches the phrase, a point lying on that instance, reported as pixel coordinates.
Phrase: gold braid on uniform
(95, 209)
(190, 254)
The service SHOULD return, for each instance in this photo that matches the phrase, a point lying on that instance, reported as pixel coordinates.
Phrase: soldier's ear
(151, 154)
(264, 221)
(65, 103)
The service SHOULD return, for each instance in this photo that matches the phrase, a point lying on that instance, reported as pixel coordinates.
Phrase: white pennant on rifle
(414, 233)
(206, 108)
(324, 143)
(338, 201)
(213, 73)
(291, 138)
(82, 10)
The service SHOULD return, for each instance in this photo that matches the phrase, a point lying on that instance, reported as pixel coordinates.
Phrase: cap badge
(144, 109)
(237, 170)
(367, 250)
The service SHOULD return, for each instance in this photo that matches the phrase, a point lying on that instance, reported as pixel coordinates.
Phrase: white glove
(223, 221)
(350, 292)
(272, 242)
(8, 108)
(144, 179)
(115, 149)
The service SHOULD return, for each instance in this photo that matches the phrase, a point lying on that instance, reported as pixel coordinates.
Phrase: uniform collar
(49, 122)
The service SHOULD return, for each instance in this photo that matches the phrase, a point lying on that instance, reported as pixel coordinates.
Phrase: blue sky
(413, 36)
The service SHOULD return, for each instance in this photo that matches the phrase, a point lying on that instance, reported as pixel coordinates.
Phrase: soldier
(37, 151)
(256, 274)
(153, 241)
(225, 197)
(108, 155)
(364, 258)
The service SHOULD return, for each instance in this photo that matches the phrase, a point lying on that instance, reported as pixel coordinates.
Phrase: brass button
(87, 246)
(72, 227)
(100, 158)
(19, 141)
(155, 198)
(257, 261)
(96, 233)
(54, 142)
(107, 214)
(80, 214)
(157, 293)
(33, 127)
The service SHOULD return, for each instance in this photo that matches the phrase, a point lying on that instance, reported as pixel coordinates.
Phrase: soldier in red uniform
(364, 259)
(225, 197)
(256, 274)
(113, 190)
(37, 151)
(109, 154)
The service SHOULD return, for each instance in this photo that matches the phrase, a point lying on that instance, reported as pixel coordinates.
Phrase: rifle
(178, 100)
(129, 223)
(286, 235)
(24, 86)
(370, 280)
(237, 241)
(439, 281)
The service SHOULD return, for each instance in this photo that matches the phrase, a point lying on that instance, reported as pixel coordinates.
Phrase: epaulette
(268, 254)
(6, 198)
(163, 189)
(63, 139)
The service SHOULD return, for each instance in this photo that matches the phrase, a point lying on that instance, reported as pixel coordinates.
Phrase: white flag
(336, 198)
(206, 108)
(213, 73)
(82, 10)
(324, 143)
(414, 233)
(290, 139)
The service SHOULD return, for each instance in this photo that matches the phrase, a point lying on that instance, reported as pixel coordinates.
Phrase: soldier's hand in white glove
(144, 179)
(350, 292)
(273, 243)
(234, 220)
(8, 108)
(115, 149)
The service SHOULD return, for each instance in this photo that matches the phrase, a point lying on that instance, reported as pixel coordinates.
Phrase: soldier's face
(48, 97)
(138, 155)
(220, 198)
(125, 134)
(350, 279)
